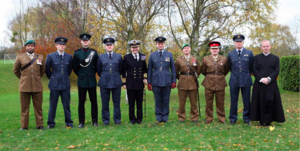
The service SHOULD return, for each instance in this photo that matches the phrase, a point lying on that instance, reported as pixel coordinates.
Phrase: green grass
(148, 136)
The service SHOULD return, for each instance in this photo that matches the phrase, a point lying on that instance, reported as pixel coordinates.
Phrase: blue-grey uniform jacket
(241, 68)
(159, 73)
(109, 71)
(58, 71)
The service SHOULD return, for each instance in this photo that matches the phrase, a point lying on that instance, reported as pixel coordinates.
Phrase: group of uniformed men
(162, 73)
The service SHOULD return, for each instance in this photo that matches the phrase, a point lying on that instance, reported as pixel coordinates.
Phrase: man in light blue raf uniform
(240, 62)
(109, 69)
(160, 79)
(58, 70)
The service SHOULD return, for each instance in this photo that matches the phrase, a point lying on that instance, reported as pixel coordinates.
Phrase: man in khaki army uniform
(187, 69)
(214, 67)
(29, 68)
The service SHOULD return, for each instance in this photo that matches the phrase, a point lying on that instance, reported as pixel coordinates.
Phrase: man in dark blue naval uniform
(160, 79)
(134, 68)
(84, 66)
(58, 70)
(109, 69)
(240, 62)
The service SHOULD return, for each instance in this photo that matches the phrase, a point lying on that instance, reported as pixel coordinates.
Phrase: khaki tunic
(186, 82)
(187, 86)
(30, 87)
(30, 78)
(214, 83)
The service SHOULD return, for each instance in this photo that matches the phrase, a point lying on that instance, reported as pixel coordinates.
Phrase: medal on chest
(194, 62)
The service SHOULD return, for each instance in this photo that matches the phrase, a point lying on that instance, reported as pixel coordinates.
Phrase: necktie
(60, 57)
(136, 59)
(110, 56)
(160, 53)
(31, 56)
(239, 53)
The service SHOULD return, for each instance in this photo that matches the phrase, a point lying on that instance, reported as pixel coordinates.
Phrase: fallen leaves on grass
(71, 147)
(272, 128)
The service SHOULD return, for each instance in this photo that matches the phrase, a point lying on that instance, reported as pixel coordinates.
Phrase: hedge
(289, 72)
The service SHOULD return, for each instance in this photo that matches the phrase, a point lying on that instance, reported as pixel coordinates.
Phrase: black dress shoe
(232, 122)
(248, 123)
(81, 125)
(50, 127)
(105, 124)
(39, 127)
(70, 126)
(139, 122)
(131, 123)
(25, 128)
(95, 124)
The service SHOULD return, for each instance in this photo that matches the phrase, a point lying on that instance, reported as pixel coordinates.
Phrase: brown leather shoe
(208, 122)
(222, 122)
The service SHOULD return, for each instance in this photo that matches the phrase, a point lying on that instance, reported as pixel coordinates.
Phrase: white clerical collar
(267, 54)
(30, 54)
(60, 53)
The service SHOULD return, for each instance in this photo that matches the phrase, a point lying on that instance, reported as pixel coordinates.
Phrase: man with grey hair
(266, 104)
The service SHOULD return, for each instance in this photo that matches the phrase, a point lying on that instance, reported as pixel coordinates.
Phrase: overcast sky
(286, 11)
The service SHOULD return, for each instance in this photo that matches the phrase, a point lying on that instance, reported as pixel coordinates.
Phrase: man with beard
(29, 68)
(266, 104)
(84, 65)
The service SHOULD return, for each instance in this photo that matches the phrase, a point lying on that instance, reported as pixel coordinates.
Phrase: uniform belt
(215, 73)
(187, 73)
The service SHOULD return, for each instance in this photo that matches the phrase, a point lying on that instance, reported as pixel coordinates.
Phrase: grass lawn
(148, 136)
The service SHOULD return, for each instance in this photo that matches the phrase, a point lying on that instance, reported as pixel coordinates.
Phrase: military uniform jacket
(134, 71)
(86, 75)
(159, 69)
(187, 81)
(110, 71)
(58, 71)
(241, 68)
(214, 76)
(30, 78)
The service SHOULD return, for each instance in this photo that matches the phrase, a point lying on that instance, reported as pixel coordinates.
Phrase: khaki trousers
(37, 99)
(220, 96)
(193, 100)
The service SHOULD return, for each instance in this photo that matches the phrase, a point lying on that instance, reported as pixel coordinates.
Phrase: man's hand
(173, 85)
(149, 87)
(265, 81)
(145, 81)
(124, 86)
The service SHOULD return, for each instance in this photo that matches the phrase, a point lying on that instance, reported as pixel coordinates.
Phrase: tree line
(196, 22)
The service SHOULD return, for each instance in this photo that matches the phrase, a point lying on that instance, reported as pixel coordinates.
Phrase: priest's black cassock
(266, 105)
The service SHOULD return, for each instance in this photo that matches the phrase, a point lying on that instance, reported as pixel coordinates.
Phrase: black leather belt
(187, 73)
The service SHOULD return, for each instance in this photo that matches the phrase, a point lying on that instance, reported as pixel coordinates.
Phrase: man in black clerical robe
(266, 104)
